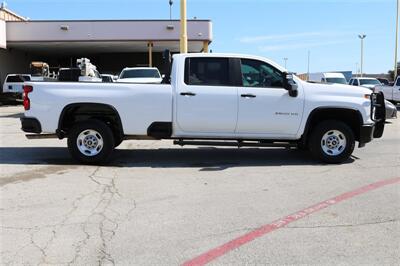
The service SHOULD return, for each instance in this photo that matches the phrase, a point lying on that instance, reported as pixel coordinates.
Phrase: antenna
(170, 9)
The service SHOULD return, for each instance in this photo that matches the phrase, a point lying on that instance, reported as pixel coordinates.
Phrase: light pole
(308, 66)
(285, 59)
(183, 41)
(170, 9)
(362, 37)
(356, 69)
(396, 42)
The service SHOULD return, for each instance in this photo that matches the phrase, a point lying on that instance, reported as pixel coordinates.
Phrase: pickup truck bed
(153, 102)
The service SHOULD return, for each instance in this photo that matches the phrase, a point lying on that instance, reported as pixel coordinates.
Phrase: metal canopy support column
(205, 47)
(183, 41)
(150, 45)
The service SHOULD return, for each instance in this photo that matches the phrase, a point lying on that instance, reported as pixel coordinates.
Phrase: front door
(265, 107)
(206, 100)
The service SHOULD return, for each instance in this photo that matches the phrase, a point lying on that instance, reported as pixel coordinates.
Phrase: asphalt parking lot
(159, 204)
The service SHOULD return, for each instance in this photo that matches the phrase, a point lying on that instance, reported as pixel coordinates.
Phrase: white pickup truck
(391, 93)
(208, 99)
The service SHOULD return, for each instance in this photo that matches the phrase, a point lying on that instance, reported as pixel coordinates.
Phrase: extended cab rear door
(265, 107)
(206, 100)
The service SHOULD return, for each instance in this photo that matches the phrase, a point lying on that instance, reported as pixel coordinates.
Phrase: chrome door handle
(188, 94)
(248, 96)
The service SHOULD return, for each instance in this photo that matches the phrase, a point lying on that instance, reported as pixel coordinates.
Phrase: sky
(275, 29)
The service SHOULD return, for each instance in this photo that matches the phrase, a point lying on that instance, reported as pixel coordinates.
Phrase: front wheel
(332, 142)
(90, 142)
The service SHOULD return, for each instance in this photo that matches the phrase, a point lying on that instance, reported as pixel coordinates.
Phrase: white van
(327, 77)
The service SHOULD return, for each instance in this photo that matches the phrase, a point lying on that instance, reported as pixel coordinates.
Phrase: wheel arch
(76, 112)
(350, 116)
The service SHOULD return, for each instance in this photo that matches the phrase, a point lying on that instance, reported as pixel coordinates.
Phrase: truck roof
(328, 74)
(333, 75)
(138, 68)
(365, 78)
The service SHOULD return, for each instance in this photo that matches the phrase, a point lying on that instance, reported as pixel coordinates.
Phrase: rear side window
(398, 82)
(355, 82)
(18, 79)
(207, 71)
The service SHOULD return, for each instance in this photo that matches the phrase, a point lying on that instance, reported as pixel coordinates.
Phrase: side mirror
(290, 84)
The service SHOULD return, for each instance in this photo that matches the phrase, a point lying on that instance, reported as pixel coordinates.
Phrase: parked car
(140, 75)
(75, 74)
(371, 83)
(107, 78)
(384, 81)
(391, 110)
(213, 100)
(392, 93)
(13, 85)
(327, 77)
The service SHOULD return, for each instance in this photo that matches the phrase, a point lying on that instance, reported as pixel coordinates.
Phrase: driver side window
(260, 74)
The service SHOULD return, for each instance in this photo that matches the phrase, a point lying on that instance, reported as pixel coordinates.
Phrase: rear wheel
(90, 142)
(332, 142)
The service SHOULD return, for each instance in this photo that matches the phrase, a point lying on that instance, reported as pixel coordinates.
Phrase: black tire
(302, 146)
(104, 134)
(117, 142)
(317, 145)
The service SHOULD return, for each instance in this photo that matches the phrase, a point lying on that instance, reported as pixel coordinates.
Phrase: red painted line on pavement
(268, 228)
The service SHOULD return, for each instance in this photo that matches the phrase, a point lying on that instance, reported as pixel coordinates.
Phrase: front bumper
(366, 134)
(378, 115)
(30, 125)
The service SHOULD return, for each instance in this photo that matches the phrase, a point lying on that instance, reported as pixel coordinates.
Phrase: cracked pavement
(159, 204)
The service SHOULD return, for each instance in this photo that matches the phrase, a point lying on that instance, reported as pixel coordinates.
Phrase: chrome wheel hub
(333, 142)
(89, 142)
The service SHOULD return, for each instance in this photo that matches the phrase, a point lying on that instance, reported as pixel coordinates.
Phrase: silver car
(391, 110)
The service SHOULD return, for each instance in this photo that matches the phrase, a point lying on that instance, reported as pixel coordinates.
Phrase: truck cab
(365, 82)
(245, 97)
(392, 93)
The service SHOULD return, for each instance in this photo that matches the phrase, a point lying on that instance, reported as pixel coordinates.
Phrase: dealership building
(110, 44)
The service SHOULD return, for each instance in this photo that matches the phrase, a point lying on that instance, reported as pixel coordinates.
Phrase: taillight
(27, 102)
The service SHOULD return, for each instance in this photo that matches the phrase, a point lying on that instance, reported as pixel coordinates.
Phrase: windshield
(336, 80)
(140, 73)
(369, 82)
